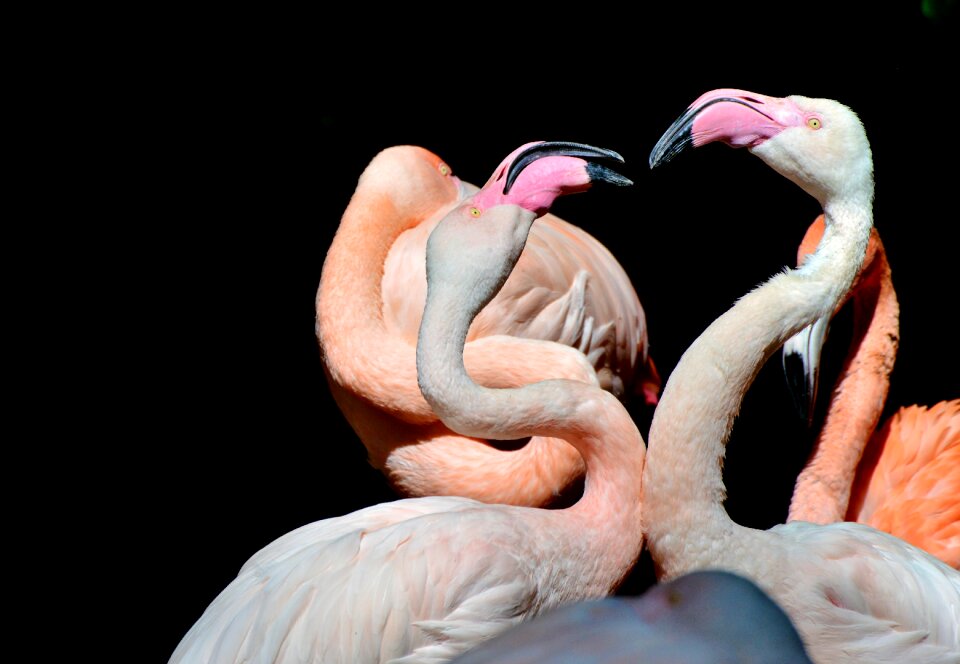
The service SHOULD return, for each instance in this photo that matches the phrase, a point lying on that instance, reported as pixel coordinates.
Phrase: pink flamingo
(424, 579)
(567, 288)
(903, 477)
(855, 593)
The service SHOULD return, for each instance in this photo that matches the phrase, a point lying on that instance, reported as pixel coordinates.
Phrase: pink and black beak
(735, 117)
(801, 366)
(597, 172)
(534, 175)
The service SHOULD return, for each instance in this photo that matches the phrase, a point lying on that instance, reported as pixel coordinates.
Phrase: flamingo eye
(475, 212)
(444, 169)
(814, 123)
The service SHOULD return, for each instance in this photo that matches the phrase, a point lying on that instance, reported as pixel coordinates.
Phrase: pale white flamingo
(424, 579)
(704, 617)
(902, 476)
(567, 287)
(855, 594)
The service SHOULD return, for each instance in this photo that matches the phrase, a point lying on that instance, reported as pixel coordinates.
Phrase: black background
(243, 440)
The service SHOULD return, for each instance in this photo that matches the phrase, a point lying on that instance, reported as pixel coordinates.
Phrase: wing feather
(301, 601)
(909, 482)
(869, 582)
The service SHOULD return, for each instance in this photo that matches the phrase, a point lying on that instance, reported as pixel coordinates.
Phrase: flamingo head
(819, 144)
(477, 244)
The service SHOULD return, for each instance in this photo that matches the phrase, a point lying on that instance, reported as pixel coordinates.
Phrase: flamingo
(704, 617)
(567, 287)
(424, 579)
(903, 477)
(855, 593)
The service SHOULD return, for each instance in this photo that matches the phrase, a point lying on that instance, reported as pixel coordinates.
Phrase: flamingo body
(566, 288)
(855, 593)
(331, 592)
(421, 580)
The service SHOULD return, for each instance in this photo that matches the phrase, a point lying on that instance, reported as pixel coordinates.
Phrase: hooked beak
(534, 175)
(801, 366)
(735, 117)
(596, 172)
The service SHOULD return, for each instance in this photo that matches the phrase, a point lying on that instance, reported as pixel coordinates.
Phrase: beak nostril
(753, 100)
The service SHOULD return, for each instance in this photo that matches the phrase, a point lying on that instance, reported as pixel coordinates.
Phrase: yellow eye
(475, 211)
(444, 169)
(813, 123)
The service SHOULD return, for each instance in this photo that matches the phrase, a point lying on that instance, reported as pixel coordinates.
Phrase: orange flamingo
(856, 594)
(904, 477)
(567, 288)
(424, 579)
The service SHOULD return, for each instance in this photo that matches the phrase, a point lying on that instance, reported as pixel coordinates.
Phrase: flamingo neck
(822, 491)
(687, 525)
(358, 352)
(589, 418)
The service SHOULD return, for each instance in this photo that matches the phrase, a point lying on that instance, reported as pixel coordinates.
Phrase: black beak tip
(800, 390)
(599, 172)
(674, 140)
(669, 146)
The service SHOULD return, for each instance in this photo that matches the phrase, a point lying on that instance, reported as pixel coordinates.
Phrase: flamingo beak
(801, 366)
(735, 117)
(536, 174)
(595, 171)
